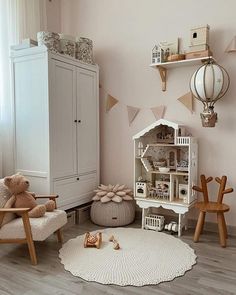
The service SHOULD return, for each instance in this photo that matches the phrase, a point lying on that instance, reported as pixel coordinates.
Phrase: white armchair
(27, 230)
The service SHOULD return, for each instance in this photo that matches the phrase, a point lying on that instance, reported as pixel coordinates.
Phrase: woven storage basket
(113, 214)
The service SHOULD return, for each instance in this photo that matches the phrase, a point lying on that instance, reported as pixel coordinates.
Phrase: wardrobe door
(87, 114)
(62, 120)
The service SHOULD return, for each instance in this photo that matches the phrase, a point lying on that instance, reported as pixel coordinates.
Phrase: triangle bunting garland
(187, 101)
(159, 112)
(111, 101)
(132, 113)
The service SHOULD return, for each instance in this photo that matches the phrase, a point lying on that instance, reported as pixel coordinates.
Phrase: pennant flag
(111, 101)
(187, 101)
(132, 113)
(158, 112)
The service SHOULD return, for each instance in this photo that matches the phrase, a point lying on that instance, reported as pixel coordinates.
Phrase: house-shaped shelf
(165, 155)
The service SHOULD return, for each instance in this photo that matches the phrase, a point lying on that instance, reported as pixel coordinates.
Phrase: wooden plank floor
(214, 273)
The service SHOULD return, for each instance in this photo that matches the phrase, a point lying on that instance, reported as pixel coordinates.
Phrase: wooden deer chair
(212, 207)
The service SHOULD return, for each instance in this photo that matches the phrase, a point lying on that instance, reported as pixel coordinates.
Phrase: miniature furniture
(93, 240)
(166, 145)
(27, 230)
(56, 109)
(212, 207)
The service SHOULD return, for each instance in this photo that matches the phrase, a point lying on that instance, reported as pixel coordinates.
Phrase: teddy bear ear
(18, 173)
(7, 180)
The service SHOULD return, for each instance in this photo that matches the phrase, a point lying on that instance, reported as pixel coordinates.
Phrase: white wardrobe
(56, 124)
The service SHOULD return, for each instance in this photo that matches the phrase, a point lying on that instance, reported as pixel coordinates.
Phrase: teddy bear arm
(32, 194)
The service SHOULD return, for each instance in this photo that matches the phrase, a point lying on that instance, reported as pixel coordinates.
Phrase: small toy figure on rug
(116, 245)
(18, 185)
(93, 240)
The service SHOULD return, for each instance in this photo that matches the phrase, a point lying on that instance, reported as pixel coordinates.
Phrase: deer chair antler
(203, 189)
(222, 190)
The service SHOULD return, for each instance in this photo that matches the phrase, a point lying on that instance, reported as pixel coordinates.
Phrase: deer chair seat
(212, 207)
(41, 228)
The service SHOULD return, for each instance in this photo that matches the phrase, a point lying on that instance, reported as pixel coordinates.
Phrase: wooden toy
(93, 240)
(217, 207)
(116, 245)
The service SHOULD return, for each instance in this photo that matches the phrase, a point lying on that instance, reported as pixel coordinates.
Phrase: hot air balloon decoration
(208, 84)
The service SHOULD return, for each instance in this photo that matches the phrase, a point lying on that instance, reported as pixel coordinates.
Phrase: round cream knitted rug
(146, 257)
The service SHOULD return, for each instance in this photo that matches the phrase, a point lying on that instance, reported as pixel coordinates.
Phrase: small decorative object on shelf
(141, 189)
(166, 51)
(159, 164)
(50, 39)
(154, 222)
(164, 169)
(208, 84)
(84, 50)
(198, 54)
(176, 57)
(199, 38)
(182, 166)
(68, 45)
(157, 54)
(93, 240)
(183, 192)
(160, 191)
(169, 48)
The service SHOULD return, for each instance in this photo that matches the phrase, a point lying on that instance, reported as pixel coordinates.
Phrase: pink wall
(124, 33)
(53, 15)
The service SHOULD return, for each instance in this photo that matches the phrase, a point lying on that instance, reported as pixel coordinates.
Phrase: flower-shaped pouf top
(116, 193)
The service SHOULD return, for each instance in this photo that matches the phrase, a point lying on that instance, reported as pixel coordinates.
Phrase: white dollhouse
(166, 170)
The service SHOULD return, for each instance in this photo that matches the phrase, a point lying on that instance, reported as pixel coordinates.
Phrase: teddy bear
(18, 185)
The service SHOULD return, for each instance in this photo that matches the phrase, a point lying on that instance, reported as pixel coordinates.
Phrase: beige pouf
(113, 214)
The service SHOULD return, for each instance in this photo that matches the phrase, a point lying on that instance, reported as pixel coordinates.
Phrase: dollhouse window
(194, 35)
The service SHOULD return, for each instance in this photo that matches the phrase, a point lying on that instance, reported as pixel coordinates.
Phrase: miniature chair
(212, 207)
(27, 230)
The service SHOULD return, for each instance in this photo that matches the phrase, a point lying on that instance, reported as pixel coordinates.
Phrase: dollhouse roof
(154, 125)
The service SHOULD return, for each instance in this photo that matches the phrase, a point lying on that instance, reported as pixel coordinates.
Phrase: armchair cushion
(41, 227)
(5, 195)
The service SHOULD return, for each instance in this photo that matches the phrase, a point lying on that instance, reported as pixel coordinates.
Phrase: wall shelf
(170, 172)
(162, 67)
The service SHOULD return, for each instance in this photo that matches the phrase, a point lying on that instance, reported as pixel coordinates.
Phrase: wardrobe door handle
(79, 121)
(77, 178)
(75, 121)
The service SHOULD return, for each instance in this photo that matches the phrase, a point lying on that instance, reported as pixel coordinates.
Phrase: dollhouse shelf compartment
(162, 67)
